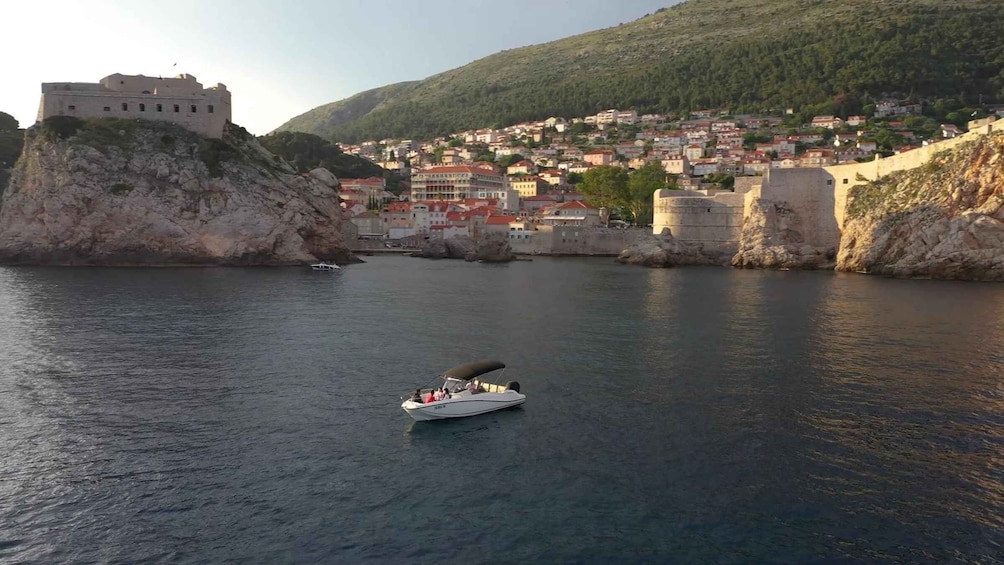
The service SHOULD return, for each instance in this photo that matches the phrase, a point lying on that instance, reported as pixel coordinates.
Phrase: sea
(689, 415)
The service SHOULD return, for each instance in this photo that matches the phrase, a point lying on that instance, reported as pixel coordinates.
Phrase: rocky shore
(130, 192)
(493, 248)
(664, 250)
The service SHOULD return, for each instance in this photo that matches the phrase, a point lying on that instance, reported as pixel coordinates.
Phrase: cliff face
(773, 238)
(119, 192)
(944, 220)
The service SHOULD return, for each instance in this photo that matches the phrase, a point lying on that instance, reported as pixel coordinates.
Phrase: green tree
(508, 160)
(605, 186)
(642, 184)
(574, 178)
(11, 141)
(307, 151)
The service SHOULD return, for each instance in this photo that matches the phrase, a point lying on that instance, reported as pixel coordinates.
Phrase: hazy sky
(279, 59)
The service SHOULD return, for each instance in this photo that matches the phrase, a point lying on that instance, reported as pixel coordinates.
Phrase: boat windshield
(453, 385)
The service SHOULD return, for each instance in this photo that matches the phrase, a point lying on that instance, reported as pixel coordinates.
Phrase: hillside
(747, 55)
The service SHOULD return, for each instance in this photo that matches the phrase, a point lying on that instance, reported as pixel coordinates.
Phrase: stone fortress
(714, 218)
(181, 100)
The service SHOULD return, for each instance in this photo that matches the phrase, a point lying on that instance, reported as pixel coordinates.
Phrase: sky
(278, 58)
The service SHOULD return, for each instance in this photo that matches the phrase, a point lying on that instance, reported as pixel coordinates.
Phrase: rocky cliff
(492, 248)
(128, 192)
(944, 220)
(773, 238)
(664, 250)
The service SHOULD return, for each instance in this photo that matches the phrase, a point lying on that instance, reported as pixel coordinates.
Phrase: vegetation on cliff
(746, 55)
(306, 152)
(11, 140)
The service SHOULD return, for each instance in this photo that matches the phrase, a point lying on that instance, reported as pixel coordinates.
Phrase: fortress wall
(716, 221)
(90, 101)
(574, 240)
(811, 193)
(88, 105)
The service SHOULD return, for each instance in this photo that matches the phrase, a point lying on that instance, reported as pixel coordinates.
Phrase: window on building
(210, 108)
(194, 108)
(829, 182)
(177, 108)
(108, 108)
(125, 107)
(72, 107)
(142, 107)
(845, 181)
(160, 107)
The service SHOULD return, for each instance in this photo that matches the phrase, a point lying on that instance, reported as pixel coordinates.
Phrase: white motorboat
(469, 393)
(325, 267)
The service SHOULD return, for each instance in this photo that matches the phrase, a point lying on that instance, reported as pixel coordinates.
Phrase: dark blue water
(672, 416)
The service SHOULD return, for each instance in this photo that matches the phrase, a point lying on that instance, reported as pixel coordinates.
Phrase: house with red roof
(499, 224)
(523, 167)
(575, 213)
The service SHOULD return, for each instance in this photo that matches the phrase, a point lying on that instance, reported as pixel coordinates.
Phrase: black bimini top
(470, 370)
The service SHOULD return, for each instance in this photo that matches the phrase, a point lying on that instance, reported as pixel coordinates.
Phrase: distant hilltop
(181, 100)
(753, 56)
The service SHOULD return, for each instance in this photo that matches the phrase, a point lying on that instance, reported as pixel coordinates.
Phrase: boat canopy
(468, 371)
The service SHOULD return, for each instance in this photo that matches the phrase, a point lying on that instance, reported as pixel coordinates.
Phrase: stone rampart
(573, 240)
(715, 220)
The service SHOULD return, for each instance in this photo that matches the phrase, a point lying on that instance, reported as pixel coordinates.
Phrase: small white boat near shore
(325, 267)
(468, 393)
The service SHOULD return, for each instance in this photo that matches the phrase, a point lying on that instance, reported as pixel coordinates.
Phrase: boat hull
(463, 406)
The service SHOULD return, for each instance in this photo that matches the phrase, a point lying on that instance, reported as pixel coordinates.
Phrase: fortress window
(125, 107)
(72, 107)
(177, 108)
(194, 108)
(108, 108)
(845, 181)
(160, 107)
(142, 107)
(210, 108)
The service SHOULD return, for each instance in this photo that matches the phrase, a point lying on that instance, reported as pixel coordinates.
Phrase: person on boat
(438, 395)
(446, 394)
(417, 397)
(429, 398)
(473, 388)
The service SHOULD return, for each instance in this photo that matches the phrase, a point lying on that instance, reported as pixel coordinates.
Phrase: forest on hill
(751, 56)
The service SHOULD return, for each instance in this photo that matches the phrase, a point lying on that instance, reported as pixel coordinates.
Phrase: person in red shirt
(428, 398)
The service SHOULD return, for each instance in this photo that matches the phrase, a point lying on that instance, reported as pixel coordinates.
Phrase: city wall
(713, 218)
(574, 240)
(818, 195)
